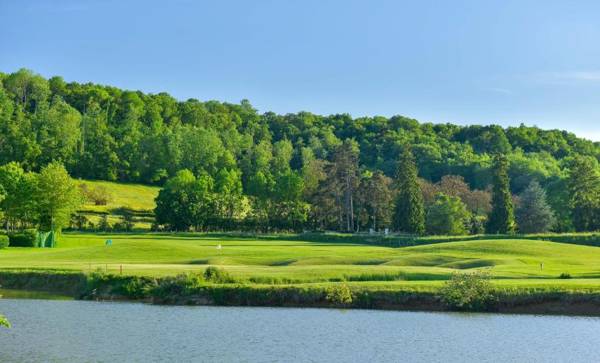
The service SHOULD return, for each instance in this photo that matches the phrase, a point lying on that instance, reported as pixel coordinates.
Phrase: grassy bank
(292, 270)
(134, 199)
(193, 289)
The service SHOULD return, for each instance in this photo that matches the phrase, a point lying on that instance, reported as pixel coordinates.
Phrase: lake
(85, 331)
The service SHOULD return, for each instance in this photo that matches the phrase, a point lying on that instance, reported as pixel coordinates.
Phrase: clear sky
(466, 62)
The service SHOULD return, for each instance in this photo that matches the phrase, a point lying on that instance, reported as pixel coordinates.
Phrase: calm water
(79, 331)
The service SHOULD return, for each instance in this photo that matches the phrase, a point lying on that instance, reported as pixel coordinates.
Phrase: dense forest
(226, 166)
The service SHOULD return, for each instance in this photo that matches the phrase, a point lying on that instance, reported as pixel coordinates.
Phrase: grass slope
(136, 198)
(513, 263)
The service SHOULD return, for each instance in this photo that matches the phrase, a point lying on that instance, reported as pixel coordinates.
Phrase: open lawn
(518, 263)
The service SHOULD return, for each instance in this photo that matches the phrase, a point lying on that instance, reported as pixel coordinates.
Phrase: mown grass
(517, 263)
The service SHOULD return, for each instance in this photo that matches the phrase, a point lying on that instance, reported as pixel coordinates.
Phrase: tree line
(225, 166)
(344, 199)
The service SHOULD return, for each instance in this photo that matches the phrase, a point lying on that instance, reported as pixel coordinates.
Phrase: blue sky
(466, 62)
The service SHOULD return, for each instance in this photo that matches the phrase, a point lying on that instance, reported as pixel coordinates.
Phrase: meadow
(512, 263)
(136, 199)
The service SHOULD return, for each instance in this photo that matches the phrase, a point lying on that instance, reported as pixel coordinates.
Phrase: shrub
(564, 275)
(4, 322)
(79, 222)
(468, 292)
(217, 275)
(98, 195)
(339, 294)
(104, 225)
(4, 241)
(26, 238)
(478, 224)
(126, 221)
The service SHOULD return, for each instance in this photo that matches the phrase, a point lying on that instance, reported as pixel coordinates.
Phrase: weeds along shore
(220, 289)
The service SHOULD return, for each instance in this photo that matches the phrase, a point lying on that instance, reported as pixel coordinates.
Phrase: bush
(564, 275)
(79, 222)
(98, 195)
(26, 238)
(4, 241)
(126, 223)
(468, 292)
(339, 294)
(104, 225)
(4, 322)
(478, 224)
(217, 275)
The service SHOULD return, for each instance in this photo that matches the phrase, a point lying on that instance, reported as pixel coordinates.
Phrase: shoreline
(178, 291)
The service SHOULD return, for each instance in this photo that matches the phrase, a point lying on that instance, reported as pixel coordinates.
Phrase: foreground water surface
(83, 331)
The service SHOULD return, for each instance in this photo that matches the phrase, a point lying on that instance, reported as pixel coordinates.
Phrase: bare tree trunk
(351, 211)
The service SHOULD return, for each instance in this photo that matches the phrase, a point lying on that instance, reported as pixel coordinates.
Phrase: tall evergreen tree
(534, 215)
(584, 191)
(501, 219)
(409, 215)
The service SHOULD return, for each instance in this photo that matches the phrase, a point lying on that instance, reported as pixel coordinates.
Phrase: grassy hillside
(135, 198)
(512, 262)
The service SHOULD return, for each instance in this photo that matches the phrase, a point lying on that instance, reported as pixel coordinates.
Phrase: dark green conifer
(409, 214)
(501, 218)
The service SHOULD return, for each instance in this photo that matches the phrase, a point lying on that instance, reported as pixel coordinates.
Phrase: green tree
(558, 196)
(584, 190)
(229, 189)
(501, 218)
(202, 201)
(314, 175)
(11, 177)
(57, 128)
(17, 137)
(288, 210)
(97, 157)
(534, 215)
(344, 181)
(448, 216)
(376, 196)
(57, 197)
(173, 203)
(186, 201)
(409, 213)
(29, 89)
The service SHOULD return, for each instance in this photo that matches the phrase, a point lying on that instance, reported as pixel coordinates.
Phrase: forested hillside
(301, 169)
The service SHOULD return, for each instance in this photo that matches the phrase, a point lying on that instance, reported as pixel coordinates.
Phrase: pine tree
(501, 219)
(409, 215)
(345, 176)
(534, 215)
